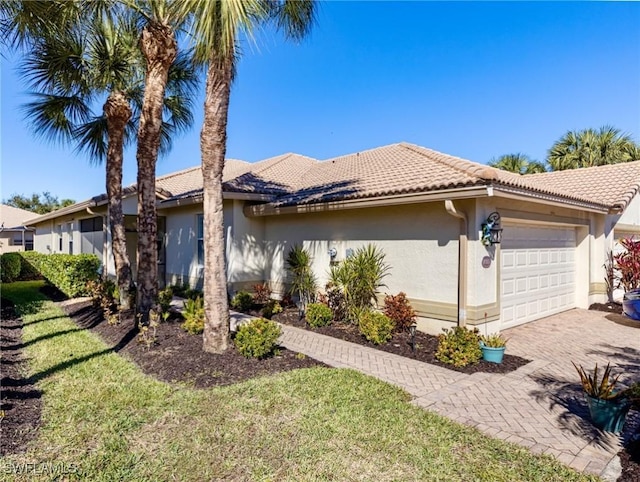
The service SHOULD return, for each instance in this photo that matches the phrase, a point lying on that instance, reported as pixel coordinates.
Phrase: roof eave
(549, 199)
(378, 201)
(199, 198)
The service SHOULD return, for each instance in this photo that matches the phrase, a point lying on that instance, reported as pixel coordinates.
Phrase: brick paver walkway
(539, 406)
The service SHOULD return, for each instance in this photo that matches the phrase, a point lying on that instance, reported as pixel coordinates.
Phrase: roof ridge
(282, 157)
(465, 166)
(176, 173)
(357, 153)
(617, 165)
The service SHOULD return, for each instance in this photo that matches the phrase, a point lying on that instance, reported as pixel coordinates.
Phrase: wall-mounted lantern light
(492, 230)
(333, 253)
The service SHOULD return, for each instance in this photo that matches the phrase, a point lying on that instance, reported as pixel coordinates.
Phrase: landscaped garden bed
(400, 344)
(21, 402)
(177, 356)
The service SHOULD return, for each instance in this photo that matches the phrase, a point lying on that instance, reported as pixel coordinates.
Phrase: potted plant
(493, 347)
(627, 265)
(608, 408)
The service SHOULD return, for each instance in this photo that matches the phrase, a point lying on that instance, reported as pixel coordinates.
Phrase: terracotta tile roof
(11, 217)
(276, 175)
(614, 185)
(394, 169)
(406, 168)
(189, 180)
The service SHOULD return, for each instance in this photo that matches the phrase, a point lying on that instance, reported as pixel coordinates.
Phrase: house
(423, 208)
(14, 235)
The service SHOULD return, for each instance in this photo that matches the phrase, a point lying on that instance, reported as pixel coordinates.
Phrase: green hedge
(10, 265)
(67, 272)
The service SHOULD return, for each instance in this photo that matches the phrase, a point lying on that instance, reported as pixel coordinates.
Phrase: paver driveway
(539, 406)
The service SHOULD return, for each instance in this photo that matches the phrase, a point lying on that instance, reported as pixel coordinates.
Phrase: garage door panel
(537, 273)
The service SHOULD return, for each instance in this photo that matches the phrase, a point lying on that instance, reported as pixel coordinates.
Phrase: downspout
(105, 255)
(462, 261)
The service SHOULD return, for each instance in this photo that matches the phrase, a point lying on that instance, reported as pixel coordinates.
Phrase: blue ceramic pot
(608, 415)
(631, 304)
(493, 355)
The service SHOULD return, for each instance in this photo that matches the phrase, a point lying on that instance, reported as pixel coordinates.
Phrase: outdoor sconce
(412, 332)
(333, 252)
(491, 230)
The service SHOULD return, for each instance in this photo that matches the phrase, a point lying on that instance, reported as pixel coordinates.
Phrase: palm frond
(55, 117)
(92, 139)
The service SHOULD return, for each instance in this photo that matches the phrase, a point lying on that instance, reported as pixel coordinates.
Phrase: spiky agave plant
(602, 388)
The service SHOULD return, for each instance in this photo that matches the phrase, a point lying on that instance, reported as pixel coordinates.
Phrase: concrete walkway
(539, 406)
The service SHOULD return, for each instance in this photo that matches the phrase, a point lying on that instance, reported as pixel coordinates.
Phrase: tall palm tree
(70, 71)
(518, 163)
(159, 48)
(217, 27)
(590, 147)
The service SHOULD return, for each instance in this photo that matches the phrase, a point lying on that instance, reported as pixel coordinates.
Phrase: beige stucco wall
(420, 242)
(181, 246)
(243, 244)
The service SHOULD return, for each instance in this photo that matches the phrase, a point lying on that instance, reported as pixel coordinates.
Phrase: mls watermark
(42, 468)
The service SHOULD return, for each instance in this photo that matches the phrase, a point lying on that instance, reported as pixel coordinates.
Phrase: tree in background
(518, 163)
(590, 147)
(40, 204)
(89, 54)
(216, 29)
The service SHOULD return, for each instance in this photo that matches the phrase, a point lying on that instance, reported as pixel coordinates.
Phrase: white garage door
(537, 273)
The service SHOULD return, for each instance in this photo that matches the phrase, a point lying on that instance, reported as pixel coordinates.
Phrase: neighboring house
(14, 235)
(424, 209)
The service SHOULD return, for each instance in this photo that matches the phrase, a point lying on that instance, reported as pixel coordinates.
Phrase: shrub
(105, 295)
(262, 293)
(258, 338)
(494, 341)
(67, 272)
(400, 311)
(242, 301)
(164, 299)
(376, 327)
(603, 388)
(272, 307)
(318, 314)
(193, 314)
(304, 282)
(358, 278)
(459, 347)
(627, 264)
(336, 302)
(11, 265)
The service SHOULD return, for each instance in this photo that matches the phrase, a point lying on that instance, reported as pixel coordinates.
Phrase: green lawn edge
(104, 420)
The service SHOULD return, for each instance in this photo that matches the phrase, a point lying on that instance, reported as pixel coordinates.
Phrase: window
(200, 234)
(91, 225)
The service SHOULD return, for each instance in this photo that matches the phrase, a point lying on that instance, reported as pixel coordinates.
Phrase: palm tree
(590, 147)
(518, 163)
(216, 27)
(69, 71)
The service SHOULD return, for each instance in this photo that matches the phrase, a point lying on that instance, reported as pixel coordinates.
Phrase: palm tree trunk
(117, 113)
(159, 47)
(213, 149)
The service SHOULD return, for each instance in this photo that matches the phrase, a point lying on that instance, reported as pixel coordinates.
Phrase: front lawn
(103, 419)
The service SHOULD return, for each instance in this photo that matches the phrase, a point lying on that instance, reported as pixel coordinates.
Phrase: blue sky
(475, 80)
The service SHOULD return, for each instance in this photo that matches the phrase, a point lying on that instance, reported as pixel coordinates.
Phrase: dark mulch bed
(630, 460)
(20, 401)
(400, 344)
(607, 307)
(177, 356)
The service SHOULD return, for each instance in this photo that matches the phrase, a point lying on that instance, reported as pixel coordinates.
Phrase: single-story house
(14, 234)
(424, 209)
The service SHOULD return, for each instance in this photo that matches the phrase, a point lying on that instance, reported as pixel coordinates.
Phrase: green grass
(113, 423)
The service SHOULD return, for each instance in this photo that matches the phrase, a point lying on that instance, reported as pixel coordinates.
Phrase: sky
(471, 79)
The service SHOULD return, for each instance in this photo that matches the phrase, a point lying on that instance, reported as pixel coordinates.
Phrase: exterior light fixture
(412, 332)
(492, 230)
